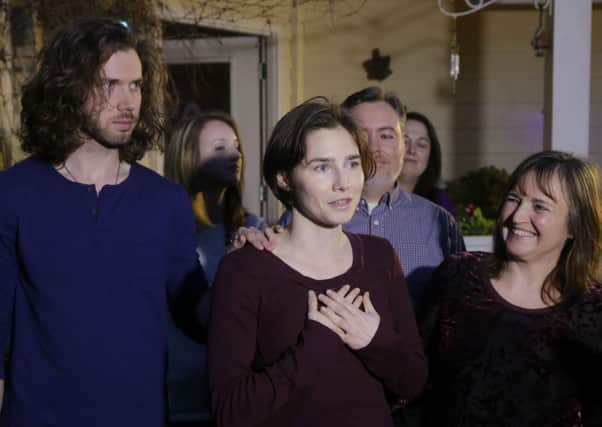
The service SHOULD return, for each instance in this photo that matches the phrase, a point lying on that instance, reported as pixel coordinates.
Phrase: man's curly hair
(53, 100)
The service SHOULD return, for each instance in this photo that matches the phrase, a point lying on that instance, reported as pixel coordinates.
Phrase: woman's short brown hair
(286, 146)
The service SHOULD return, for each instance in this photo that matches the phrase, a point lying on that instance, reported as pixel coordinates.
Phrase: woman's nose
(234, 155)
(521, 212)
(341, 180)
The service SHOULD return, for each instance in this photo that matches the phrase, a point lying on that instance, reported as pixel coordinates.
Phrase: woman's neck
(305, 234)
(313, 250)
(522, 282)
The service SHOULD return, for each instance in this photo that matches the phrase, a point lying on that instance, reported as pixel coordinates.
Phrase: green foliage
(472, 222)
(477, 196)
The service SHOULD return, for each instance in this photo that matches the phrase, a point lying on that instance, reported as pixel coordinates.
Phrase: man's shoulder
(413, 200)
(423, 207)
(26, 166)
(149, 175)
(24, 173)
(367, 239)
(371, 245)
(151, 179)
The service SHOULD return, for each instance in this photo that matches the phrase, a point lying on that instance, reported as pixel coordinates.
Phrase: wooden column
(568, 76)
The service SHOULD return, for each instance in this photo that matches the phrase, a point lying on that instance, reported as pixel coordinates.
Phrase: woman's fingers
(277, 229)
(334, 318)
(260, 239)
(356, 326)
(342, 291)
(333, 305)
(269, 233)
(350, 297)
(368, 303)
(314, 314)
(312, 301)
(337, 303)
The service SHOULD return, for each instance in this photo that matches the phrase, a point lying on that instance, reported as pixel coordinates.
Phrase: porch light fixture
(473, 6)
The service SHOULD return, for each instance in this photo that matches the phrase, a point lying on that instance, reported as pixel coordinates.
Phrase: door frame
(249, 57)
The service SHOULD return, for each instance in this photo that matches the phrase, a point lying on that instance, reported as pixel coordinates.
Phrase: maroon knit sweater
(271, 366)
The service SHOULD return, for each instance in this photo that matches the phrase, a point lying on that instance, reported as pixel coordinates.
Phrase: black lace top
(496, 364)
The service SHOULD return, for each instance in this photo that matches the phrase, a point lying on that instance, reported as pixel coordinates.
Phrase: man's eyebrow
(318, 159)
(387, 128)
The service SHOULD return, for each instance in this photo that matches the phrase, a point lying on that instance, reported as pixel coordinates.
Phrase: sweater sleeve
(186, 281)
(243, 394)
(395, 354)
(9, 271)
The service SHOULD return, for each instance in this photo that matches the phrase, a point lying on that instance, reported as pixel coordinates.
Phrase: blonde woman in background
(204, 155)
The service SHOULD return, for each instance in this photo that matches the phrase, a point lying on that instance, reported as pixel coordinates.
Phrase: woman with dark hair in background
(316, 332)
(514, 338)
(421, 170)
(204, 155)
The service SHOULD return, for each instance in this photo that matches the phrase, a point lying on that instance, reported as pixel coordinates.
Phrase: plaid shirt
(422, 233)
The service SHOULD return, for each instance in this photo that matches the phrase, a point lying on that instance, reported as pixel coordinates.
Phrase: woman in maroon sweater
(319, 331)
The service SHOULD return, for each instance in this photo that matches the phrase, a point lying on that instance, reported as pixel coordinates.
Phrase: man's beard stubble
(93, 131)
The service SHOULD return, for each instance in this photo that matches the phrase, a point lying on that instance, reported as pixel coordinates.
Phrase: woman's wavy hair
(579, 261)
(286, 146)
(182, 161)
(426, 186)
(69, 69)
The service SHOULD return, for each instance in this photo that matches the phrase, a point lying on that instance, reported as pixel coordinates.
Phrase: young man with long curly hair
(93, 246)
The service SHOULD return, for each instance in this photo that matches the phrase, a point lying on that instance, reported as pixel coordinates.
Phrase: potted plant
(477, 195)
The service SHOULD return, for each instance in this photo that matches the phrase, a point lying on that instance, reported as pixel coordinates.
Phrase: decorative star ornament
(377, 67)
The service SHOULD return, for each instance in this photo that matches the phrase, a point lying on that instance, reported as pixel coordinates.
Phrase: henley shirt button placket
(93, 211)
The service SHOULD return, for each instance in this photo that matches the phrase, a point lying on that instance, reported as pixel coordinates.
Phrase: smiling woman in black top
(514, 338)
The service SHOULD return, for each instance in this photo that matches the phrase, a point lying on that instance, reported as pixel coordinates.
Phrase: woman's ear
(282, 181)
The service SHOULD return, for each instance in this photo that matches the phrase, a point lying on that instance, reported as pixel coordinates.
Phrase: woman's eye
(322, 167)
